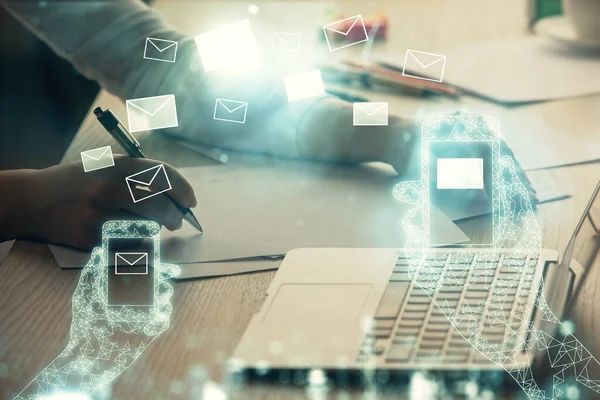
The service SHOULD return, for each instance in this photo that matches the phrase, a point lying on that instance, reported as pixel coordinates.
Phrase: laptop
(349, 309)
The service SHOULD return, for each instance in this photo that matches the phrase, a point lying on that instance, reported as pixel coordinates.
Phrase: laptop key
(428, 355)
(456, 344)
(427, 345)
(464, 326)
(402, 261)
(461, 258)
(491, 257)
(454, 358)
(391, 302)
(437, 329)
(472, 294)
(450, 289)
(436, 256)
(411, 323)
(417, 308)
(407, 331)
(448, 296)
(399, 352)
(478, 287)
(401, 269)
(408, 341)
(400, 277)
(434, 264)
(380, 334)
(412, 316)
(419, 300)
(438, 323)
(445, 307)
(435, 336)
(383, 324)
(422, 292)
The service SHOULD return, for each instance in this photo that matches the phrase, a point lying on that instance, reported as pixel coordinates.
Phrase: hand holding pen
(133, 149)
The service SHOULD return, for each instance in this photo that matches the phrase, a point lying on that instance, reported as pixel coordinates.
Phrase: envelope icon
(131, 263)
(231, 111)
(370, 113)
(304, 85)
(99, 158)
(460, 173)
(422, 65)
(230, 47)
(286, 41)
(160, 50)
(149, 113)
(148, 183)
(345, 32)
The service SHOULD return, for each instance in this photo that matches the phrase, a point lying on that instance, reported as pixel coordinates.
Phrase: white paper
(555, 133)
(223, 268)
(517, 70)
(260, 211)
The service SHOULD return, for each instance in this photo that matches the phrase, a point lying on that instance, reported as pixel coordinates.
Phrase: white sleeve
(102, 39)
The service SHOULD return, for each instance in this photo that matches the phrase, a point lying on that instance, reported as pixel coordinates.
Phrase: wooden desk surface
(210, 315)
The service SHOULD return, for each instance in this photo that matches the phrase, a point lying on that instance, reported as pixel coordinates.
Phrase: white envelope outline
(137, 126)
(279, 38)
(236, 106)
(133, 182)
(136, 257)
(88, 157)
(460, 173)
(382, 106)
(329, 27)
(152, 42)
(414, 57)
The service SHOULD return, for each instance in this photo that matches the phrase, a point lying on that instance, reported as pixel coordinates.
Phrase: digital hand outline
(513, 205)
(104, 342)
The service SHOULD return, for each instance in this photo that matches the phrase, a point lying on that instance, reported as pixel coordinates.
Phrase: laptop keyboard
(415, 317)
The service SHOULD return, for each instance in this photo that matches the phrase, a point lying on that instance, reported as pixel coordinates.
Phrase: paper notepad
(517, 70)
(269, 211)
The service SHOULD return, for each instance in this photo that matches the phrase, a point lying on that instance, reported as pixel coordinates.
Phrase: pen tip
(191, 218)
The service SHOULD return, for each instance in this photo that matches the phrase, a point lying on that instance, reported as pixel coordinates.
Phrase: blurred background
(32, 77)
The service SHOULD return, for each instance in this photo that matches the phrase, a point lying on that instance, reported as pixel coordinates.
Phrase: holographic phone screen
(130, 272)
(461, 182)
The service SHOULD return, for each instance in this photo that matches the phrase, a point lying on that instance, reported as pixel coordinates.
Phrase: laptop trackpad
(318, 303)
(315, 324)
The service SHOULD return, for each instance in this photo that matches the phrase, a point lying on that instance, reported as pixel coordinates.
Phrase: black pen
(116, 129)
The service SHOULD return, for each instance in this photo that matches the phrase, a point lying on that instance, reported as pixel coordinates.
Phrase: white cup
(585, 18)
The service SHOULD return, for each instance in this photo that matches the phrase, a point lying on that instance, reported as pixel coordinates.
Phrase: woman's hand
(65, 205)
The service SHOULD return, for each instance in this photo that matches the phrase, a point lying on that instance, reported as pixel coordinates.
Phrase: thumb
(170, 270)
(89, 288)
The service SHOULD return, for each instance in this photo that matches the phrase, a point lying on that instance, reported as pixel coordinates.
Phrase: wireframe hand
(104, 342)
(516, 228)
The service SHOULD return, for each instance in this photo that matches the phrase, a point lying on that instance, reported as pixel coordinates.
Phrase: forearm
(104, 40)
